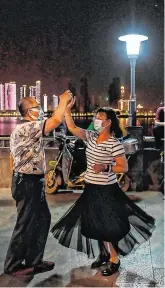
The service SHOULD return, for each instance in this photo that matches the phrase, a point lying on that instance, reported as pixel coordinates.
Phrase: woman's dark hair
(111, 114)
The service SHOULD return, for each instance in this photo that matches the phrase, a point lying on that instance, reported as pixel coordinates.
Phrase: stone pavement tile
(1, 267)
(157, 254)
(159, 276)
(158, 233)
(155, 206)
(131, 279)
(143, 249)
(4, 243)
(135, 269)
(155, 211)
(66, 259)
(7, 223)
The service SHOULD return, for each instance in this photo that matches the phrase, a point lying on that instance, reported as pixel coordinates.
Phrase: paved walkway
(144, 268)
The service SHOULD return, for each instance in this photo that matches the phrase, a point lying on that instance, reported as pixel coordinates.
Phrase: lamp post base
(132, 113)
(131, 121)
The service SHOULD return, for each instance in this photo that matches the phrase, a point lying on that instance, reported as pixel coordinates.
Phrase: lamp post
(133, 46)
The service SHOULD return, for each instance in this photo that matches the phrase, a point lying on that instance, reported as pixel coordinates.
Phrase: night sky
(57, 41)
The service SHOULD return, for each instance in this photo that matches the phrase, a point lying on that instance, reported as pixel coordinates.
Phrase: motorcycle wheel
(124, 183)
(53, 181)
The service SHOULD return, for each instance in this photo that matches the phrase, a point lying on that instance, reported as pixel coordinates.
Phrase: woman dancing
(103, 220)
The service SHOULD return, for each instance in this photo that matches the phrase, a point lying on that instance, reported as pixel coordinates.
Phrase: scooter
(67, 169)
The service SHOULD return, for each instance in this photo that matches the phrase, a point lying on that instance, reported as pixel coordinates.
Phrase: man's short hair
(23, 105)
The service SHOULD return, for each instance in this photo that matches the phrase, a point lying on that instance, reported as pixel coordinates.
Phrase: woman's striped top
(104, 153)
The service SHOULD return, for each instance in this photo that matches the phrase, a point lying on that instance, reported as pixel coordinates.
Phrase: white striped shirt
(102, 153)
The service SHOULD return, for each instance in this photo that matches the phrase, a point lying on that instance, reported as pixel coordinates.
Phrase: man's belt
(24, 175)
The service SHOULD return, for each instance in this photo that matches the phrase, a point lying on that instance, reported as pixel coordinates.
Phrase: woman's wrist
(106, 168)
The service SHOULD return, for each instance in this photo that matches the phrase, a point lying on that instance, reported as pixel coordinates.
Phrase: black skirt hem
(104, 214)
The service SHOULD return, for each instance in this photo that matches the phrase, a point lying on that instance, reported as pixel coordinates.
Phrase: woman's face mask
(98, 125)
(37, 110)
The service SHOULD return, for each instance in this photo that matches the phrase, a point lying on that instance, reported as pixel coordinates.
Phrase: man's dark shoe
(112, 269)
(101, 260)
(44, 266)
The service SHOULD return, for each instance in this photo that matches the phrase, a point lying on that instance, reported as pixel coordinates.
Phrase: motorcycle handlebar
(62, 138)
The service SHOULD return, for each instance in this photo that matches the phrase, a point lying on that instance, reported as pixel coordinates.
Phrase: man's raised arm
(55, 120)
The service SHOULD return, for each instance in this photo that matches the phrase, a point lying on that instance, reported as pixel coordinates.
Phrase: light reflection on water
(7, 124)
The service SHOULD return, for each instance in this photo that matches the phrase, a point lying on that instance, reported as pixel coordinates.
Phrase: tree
(72, 89)
(114, 92)
(84, 93)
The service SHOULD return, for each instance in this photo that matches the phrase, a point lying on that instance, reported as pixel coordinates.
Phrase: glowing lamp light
(133, 43)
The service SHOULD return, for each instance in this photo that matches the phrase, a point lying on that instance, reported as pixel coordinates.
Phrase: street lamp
(133, 46)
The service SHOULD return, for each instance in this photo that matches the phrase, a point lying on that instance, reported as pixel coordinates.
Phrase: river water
(7, 124)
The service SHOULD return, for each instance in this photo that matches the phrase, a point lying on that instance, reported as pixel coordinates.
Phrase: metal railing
(5, 141)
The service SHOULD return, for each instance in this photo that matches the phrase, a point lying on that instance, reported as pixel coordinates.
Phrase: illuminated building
(23, 91)
(45, 103)
(11, 96)
(122, 92)
(32, 91)
(6, 97)
(123, 105)
(55, 101)
(38, 91)
(2, 97)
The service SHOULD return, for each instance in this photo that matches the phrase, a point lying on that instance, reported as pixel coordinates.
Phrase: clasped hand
(99, 167)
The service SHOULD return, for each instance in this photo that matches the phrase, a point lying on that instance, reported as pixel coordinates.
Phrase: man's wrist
(63, 102)
(67, 112)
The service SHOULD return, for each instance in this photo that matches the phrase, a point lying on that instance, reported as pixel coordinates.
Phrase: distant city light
(139, 106)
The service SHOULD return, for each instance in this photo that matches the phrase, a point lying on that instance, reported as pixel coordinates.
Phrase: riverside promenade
(144, 268)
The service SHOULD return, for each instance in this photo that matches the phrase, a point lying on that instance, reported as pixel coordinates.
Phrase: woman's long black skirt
(103, 213)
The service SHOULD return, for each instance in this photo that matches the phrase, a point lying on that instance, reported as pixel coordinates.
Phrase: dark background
(58, 41)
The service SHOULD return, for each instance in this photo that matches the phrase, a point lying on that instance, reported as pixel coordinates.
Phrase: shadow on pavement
(79, 277)
(131, 279)
(10, 281)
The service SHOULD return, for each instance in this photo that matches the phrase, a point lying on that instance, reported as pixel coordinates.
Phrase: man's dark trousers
(33, 222)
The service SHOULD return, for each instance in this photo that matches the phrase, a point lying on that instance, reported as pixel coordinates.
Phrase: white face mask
(98, 125)
(40, 113)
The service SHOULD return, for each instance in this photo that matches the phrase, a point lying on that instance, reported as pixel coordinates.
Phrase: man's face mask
(98, 125)
(39, 111)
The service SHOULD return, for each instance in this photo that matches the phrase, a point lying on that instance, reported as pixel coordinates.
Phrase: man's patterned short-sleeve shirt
(26, 146)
